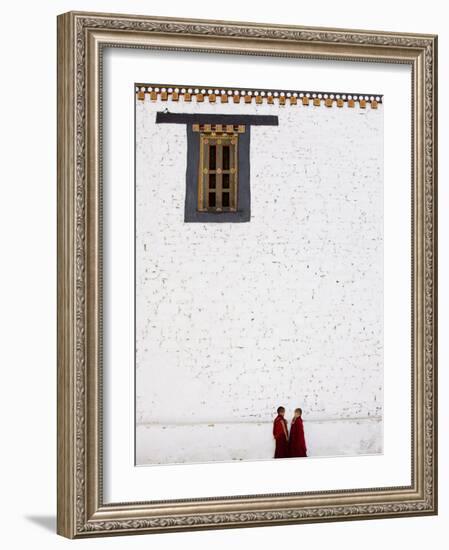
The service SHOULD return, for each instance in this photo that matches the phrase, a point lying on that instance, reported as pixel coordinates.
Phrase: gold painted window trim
(217, 182)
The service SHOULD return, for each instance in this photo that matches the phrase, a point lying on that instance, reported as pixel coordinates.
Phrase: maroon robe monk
(280, 433)
(297, 441)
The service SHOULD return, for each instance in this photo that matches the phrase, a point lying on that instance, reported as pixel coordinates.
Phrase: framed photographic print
(247, 282)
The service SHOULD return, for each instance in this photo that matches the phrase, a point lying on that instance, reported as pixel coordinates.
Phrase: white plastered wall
(234, 319)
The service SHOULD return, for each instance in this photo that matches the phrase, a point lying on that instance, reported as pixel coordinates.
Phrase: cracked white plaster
(234, 319)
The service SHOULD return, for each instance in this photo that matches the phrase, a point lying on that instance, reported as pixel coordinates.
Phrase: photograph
(247, 284)
(225, 222)
(258, 273)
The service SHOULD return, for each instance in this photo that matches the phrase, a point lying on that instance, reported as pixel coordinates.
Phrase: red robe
(297, 442)
(280, 433)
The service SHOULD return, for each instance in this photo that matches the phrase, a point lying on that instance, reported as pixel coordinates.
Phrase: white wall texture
(234, 319)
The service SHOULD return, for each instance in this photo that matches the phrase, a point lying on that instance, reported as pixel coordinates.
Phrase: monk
(280, 434)
(297, 442)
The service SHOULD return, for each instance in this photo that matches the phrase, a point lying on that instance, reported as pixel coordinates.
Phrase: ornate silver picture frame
(83, 469)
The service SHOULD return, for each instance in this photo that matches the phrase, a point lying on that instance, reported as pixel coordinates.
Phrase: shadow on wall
(46, 522)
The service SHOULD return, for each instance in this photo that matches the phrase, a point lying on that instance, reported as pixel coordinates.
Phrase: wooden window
(218, 172)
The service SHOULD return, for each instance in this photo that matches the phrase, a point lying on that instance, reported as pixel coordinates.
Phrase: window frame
(242, 212)
(218, 136)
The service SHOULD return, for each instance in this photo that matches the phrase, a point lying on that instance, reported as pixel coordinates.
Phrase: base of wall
(225, 442)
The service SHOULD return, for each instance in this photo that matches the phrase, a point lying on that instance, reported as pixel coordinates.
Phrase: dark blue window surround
(191, 211)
